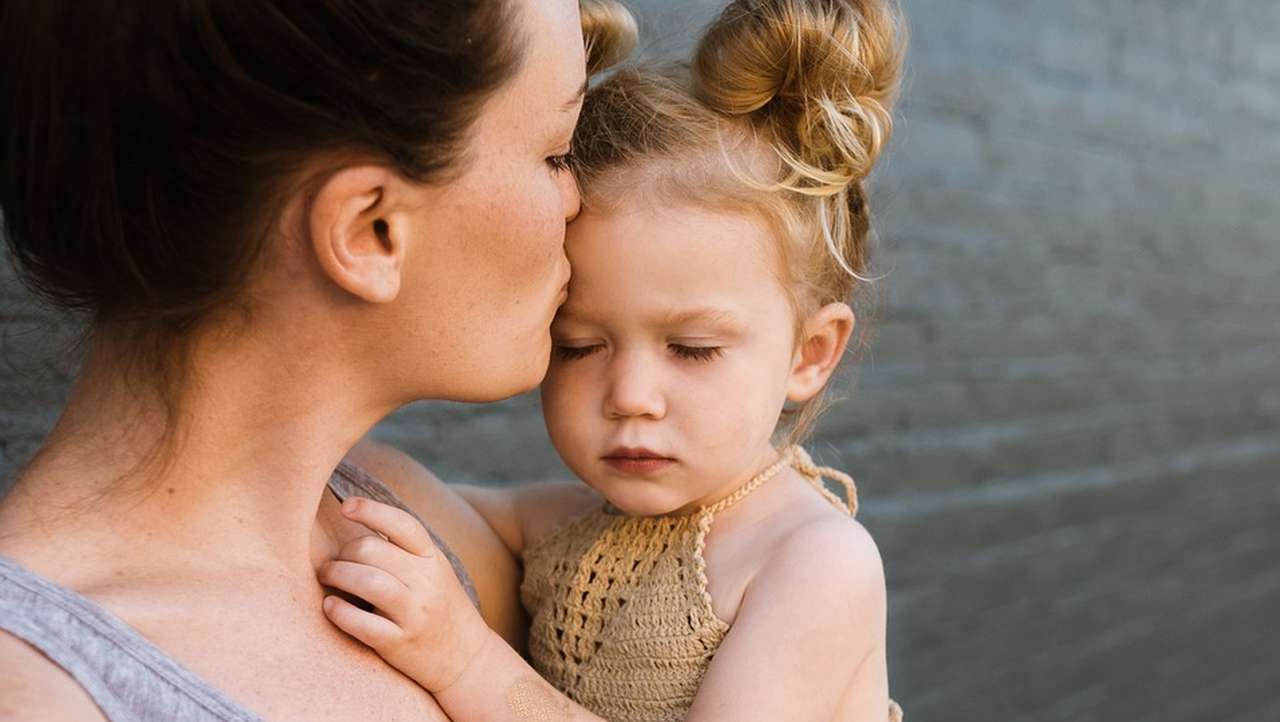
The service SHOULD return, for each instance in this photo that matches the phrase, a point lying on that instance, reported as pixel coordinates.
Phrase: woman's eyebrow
(573, 102)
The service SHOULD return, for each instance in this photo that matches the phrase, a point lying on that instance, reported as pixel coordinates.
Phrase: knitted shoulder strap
(814, 473)
(786, 458)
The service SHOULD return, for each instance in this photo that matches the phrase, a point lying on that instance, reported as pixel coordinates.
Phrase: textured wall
(1067, 433)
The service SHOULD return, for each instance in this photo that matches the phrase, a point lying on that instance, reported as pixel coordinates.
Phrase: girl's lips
(637, 465)
(637, 461)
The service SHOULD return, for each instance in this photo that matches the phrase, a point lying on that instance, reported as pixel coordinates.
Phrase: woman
(284, 221)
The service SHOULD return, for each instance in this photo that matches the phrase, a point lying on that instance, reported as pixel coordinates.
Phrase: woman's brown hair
(146, 145)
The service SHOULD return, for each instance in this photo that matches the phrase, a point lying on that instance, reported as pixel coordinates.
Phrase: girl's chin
(631, 503)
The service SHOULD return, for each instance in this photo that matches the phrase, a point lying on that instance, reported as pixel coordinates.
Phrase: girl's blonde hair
(784, 111)
(609, 32)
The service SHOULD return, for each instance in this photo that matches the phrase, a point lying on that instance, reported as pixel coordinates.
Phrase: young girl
(725, 226)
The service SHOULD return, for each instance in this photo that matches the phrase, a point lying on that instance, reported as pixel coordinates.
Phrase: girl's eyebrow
(717, 317)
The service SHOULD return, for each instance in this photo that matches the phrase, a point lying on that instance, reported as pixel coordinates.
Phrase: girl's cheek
(563, 388)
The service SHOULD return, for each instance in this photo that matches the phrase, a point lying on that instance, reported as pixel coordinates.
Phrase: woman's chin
(511, 382)
(496, 374)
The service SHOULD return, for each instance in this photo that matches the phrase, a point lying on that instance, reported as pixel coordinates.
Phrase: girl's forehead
(725, 317)
(670, 228)
(669, 265)
(678, 244)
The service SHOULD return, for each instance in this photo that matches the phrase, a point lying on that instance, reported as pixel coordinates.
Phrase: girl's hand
(424, 624)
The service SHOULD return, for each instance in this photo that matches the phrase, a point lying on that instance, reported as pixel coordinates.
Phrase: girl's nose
(633, 392)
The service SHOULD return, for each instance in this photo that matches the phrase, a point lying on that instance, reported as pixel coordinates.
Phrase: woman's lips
(637, 462)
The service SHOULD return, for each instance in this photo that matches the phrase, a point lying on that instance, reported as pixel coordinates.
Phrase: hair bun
(610, 32)
(819, 76)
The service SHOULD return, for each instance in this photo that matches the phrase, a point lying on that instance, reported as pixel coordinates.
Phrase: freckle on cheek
(532, 700)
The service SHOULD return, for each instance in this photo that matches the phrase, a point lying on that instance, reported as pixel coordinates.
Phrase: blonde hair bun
(610, 32)
(819, 77)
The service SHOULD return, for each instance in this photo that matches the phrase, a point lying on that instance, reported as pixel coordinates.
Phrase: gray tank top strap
(129, 678)
(350, 480)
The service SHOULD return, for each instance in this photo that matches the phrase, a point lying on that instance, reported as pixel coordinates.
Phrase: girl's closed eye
(696, 353)
(571, 353)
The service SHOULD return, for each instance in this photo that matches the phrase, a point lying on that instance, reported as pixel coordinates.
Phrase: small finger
(372, 550)
(372, 629)
(376, 586)
(397, 525)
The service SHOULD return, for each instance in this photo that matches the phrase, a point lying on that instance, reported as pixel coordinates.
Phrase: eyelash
(697, 353)
(700, 354)
(561, 163)
(573, 353)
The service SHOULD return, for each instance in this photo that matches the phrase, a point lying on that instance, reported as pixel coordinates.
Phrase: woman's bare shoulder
(34, 689)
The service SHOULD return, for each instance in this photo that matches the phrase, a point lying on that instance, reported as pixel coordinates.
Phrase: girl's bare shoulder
(548, 506)
(786, 533)
(817, 538)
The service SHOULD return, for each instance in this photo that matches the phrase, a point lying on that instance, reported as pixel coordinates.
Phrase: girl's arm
(808, 639)
(523, 514)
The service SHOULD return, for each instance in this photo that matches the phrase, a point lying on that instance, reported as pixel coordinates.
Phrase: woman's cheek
(550, 217)
(534, 236)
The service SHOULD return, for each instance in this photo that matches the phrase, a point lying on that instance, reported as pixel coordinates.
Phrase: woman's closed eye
(561, 163)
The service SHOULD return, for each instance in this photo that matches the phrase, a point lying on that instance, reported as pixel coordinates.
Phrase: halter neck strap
(814, 473)
(800, 460)
(784, 460)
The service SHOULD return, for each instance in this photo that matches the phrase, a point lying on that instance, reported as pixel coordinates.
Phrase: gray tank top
(129, 678)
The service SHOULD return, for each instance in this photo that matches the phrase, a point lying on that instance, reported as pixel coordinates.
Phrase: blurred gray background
(1067, 429)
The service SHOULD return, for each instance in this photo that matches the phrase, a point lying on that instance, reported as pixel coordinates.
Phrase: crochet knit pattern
(622, 620)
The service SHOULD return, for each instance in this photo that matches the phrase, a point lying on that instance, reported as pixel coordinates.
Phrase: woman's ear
(353, 235)
(825, 335)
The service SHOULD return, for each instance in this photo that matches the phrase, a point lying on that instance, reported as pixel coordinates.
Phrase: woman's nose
(634, 392)
(570, 196)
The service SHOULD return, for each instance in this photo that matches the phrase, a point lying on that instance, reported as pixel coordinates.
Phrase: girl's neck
(258, 432)
(764, 458)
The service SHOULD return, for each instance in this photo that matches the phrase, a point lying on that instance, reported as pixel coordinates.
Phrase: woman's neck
(259, 429)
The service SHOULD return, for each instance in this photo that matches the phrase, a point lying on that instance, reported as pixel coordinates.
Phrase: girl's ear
(825, 335)
(355, 233)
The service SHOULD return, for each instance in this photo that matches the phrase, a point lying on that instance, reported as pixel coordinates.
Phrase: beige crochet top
(621, 617)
